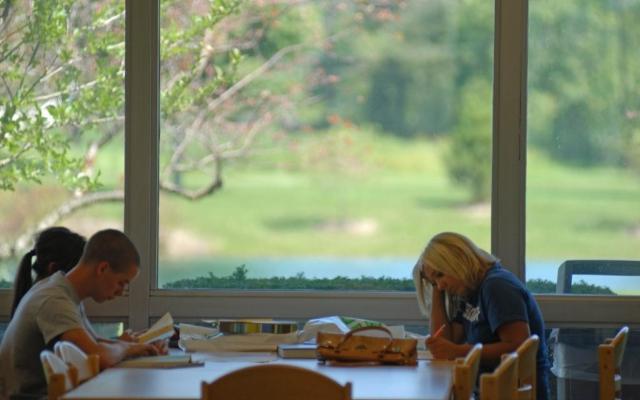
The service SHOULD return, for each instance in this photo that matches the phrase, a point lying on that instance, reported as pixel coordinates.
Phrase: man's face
(113, 283)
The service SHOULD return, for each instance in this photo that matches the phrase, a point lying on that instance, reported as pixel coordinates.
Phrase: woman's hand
(444, 349)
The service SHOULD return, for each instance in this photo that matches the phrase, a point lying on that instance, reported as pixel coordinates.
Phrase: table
(430, 380)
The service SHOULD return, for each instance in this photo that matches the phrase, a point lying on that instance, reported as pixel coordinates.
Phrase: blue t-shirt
(502, 298)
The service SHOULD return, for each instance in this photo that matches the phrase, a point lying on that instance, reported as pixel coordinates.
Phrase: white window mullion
(141, 148)
(509, 134)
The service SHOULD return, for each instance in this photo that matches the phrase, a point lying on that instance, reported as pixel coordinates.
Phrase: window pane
(347, 133)
(583, 155)
(61, 120)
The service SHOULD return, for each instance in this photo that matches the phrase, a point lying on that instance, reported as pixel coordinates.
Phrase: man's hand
(130, 336)
(140, 349)
(162, 346)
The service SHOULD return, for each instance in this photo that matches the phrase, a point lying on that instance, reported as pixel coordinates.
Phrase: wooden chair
(502, 384)
(527, 368)
(60, 376)
(281, 382)
(465, 373)
(609, 359)
(87, 366)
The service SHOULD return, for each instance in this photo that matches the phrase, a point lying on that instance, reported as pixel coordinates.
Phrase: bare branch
(242, 83)
(60, 93)
(103, 120)
(15, 156)
(214, 185)
(60, 69)
(28, 65)
(67, 208)
(9, 91)
(108, 21)
(93, 148)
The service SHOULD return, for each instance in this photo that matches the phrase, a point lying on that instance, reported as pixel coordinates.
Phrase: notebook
(169, 361)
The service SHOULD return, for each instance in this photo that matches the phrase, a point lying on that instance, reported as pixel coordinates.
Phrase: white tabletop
(429, 380)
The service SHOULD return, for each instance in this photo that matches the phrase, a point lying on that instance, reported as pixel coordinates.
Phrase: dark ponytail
(56, 249)
(23, 280)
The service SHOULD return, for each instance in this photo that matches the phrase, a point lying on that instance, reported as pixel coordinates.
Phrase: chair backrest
(465, 373)
(527, 368)
(282, 382)
(610, 355)
(593, 267)
(59, 375)
(502, 384)
(87, 366)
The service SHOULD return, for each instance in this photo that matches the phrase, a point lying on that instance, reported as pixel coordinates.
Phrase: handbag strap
(367, 328)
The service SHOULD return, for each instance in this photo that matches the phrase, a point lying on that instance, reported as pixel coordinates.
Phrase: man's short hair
(112, 246)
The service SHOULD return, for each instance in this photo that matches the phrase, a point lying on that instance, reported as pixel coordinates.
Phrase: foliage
(541, 286)
(45, 92)
(585, 103)
(468, 159)
(239, 280)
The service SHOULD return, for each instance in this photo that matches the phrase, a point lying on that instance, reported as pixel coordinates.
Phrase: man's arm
(110, 353)
(161, 346)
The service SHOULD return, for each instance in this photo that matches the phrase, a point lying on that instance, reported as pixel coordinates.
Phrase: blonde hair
(424, 291)
(455, 255)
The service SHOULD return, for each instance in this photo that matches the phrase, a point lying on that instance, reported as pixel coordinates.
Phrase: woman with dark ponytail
(56, 249)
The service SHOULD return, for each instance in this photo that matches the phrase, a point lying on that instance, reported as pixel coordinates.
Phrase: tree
(468, 157)
(63, 94)
(583, 81)
(62, 91)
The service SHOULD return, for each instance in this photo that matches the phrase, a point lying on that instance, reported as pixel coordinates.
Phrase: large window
(315, 139)
(583, 189)
(346, 133)
(61, 121)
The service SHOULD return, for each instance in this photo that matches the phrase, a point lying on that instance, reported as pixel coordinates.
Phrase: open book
(170, 361)
(162, 329)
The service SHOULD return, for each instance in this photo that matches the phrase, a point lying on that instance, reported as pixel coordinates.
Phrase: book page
(162, 329)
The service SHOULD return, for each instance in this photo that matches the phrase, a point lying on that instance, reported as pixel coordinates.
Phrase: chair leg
(57, 386)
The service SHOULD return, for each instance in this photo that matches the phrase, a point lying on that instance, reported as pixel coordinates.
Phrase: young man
(52, 311)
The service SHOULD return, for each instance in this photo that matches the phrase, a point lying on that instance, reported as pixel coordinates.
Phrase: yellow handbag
(351, 348)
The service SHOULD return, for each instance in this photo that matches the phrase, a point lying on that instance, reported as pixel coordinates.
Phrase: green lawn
(356, 194)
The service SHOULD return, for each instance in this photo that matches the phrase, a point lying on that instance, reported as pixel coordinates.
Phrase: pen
(439, 331)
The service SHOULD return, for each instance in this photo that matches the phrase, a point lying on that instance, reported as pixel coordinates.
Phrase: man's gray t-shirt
(47, 311)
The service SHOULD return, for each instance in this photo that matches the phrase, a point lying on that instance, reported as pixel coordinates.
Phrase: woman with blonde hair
(470, 298)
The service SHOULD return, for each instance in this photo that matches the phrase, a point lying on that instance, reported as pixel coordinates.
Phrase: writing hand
(442, 348)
